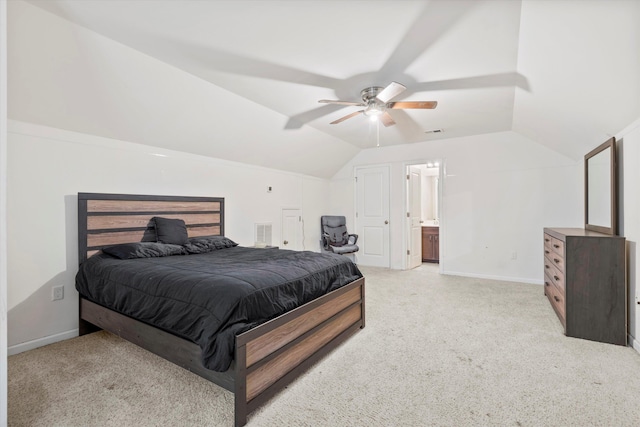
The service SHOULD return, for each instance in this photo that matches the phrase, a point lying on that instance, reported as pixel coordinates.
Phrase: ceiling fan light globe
(373, 111)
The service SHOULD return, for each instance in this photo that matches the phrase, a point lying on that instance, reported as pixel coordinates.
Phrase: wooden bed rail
(268, 357)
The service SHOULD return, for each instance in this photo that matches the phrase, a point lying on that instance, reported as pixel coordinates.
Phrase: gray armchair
(335, 237)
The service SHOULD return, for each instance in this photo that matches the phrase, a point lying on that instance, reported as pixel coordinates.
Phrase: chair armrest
(324, 240)
(354, 237)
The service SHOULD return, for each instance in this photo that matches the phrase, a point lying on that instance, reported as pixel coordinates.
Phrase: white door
(291, 229)
(414, 192)
(372, 215)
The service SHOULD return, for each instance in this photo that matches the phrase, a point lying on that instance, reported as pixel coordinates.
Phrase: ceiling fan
(376, 101)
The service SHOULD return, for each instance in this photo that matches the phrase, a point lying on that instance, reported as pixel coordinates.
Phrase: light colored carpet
(436, 351)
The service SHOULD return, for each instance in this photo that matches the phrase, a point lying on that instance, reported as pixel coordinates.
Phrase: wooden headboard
(111, 219)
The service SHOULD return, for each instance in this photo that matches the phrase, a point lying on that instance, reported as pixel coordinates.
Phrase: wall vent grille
(263, 233)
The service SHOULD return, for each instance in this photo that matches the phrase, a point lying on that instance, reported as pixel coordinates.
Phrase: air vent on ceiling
(434, 131)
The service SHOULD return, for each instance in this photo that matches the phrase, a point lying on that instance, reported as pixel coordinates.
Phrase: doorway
(372, 215)
(292, 229)
(422, 228)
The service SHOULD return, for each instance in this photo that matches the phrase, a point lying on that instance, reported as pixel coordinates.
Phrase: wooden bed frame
(267, 357)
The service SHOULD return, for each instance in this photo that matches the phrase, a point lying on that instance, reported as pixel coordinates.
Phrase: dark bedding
(209, 298)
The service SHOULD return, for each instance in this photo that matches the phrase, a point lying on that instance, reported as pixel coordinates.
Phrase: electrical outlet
(57, 293)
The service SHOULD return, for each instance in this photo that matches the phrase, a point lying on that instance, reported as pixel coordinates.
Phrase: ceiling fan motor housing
(370, 93)
(375, 107)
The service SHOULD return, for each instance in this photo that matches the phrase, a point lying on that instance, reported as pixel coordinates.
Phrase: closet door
(291, 229)
(372, 215)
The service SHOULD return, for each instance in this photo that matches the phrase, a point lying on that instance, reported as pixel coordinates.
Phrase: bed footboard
(273, 354)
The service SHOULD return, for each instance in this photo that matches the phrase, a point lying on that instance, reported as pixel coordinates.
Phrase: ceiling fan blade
(330, 101)
(391, 91)
(387, 120)
(422, 105)
(348, 116)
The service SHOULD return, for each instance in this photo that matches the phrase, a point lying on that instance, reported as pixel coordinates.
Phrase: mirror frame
(613, 170)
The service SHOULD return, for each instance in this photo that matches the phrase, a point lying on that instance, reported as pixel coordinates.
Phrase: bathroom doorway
(423, 213)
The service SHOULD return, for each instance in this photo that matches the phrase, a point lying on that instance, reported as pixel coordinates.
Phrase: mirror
(600, 189)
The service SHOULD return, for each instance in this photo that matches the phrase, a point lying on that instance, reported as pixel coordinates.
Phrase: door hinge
(408, 252)
(356, 179)
(408, 177)
(356, 214)
(408, 215)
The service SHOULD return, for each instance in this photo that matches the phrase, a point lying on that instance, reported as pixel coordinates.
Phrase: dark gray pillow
(200, 245)
(173, 231)
(143, 250)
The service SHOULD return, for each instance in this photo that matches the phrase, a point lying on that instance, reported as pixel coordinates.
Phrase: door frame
(405, 196)
(408, 220)
(3, 213)
(355, 201)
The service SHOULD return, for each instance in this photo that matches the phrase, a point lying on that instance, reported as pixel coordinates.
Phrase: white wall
(498, 192)
(48, 167)
(628, 144)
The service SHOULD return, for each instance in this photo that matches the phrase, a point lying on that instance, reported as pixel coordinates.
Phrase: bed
(267, 354)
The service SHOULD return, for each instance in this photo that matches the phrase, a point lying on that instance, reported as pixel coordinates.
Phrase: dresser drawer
(554, 245)
(555, 260)
(556, 297)
(555, 275)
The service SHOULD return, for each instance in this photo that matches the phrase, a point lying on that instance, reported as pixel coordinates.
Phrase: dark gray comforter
(209, 298)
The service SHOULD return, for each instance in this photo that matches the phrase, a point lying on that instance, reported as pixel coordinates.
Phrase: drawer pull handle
(556, 277)
(556, 298)
(556, 246)
(546, 283)
(556, 260)
(546, 266)
(546, 251)
(546, 240)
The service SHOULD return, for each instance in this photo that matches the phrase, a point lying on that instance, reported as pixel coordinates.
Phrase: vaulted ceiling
(563, 73)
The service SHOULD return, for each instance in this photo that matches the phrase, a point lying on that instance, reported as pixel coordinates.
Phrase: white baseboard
(491, 277)
(40, 342)
(634, 343)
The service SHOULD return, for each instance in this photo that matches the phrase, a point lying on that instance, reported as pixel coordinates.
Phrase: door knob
(285, 242)
(386, 222)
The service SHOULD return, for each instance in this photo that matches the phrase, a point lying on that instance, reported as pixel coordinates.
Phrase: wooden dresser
(430, 244)
(584, 279)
